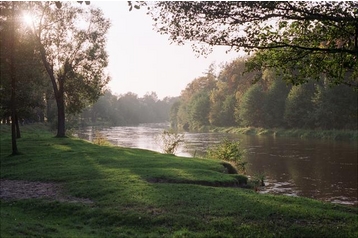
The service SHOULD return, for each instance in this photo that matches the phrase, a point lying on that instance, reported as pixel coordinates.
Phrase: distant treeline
(128, 109)
(231, 98)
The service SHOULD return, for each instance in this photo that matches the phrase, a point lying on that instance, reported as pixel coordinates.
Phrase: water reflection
(325, 170)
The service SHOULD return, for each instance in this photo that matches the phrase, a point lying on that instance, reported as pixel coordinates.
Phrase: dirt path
(20, 189)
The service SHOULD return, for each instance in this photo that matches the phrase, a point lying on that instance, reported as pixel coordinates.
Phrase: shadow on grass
(127, 205)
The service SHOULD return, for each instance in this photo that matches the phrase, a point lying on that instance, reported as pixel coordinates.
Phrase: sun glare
(27, 18)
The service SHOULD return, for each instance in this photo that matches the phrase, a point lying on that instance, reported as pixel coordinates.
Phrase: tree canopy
(230, 99)
(50, 44)
(303, 41)
(71, 41)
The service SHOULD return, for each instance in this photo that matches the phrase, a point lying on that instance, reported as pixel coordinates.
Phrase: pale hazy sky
(141, 60)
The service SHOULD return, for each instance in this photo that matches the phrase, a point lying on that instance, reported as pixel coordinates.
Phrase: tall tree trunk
(13, 84)
(58, 91)
(18, 134)
(61, 129)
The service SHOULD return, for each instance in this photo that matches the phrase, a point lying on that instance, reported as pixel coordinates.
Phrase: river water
(319, 169)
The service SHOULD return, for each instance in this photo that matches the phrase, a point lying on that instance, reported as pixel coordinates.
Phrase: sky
(142, 61)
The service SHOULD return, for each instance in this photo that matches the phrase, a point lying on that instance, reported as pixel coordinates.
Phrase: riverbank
(346, 135)
(107, 191)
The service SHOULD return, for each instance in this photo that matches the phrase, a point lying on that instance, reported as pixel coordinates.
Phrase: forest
(127, 109)
(236, 98)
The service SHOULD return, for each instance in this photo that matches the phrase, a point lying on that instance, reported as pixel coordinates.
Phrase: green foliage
(222, 108)
(302, 41)
(228, 110)
(229, 151)
(251, 107)
(335, 107)
(199, 108)
(299, 111)
(31, 83)
(65, 45)
(274, 106)
(170, 141)
(258, 180)
(269, 103)
(173, 116)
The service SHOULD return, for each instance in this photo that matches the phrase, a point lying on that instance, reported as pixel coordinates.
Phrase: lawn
(140, 193)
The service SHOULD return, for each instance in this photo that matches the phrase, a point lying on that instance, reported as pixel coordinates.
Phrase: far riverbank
(346, 135)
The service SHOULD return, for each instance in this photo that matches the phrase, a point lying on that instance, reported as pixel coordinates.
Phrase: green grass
(139, 193)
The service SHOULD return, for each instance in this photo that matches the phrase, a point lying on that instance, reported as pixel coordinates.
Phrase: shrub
(229, 151)
(170, 141)
(100, 139)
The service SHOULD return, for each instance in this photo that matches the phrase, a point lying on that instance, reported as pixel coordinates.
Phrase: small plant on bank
(170, 141)
(100, 139)
(229, 151)
(258, 180)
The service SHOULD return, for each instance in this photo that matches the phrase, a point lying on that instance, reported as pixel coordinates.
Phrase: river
(319, 169)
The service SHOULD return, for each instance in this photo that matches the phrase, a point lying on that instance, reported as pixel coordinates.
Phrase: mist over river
(319, 169)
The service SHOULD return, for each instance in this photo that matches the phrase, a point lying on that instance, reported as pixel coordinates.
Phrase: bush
(100, 139)
(229, 151)
(170, 141)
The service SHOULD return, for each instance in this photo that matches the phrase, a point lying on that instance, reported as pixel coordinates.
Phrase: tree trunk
(13, 85)
(58, 91)
(61, 129)
(18, 134)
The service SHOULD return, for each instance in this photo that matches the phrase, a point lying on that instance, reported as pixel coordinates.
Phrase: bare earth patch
(20, 189)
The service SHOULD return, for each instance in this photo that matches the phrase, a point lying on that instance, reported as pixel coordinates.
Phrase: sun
(27, 19)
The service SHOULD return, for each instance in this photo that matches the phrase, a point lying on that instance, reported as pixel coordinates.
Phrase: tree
(199, 109)
(303, 40)
(130, 106)
(217, 97)
(173, 115)
(299, 109)
(228, 111)
(251, 107)
(21, 78)
(183, 116)
(71, 41)
(274, 105)
(148, 107)
(13, 83)
(335, 107)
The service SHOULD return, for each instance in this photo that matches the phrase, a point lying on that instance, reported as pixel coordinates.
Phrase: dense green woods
(233, 99)
(311, 45)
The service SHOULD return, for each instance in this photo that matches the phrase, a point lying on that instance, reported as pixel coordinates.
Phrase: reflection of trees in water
(318, 169)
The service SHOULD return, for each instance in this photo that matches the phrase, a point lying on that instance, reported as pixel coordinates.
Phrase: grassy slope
(127, 205)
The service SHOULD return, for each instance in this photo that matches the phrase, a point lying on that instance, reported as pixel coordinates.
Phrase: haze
(141, 60)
